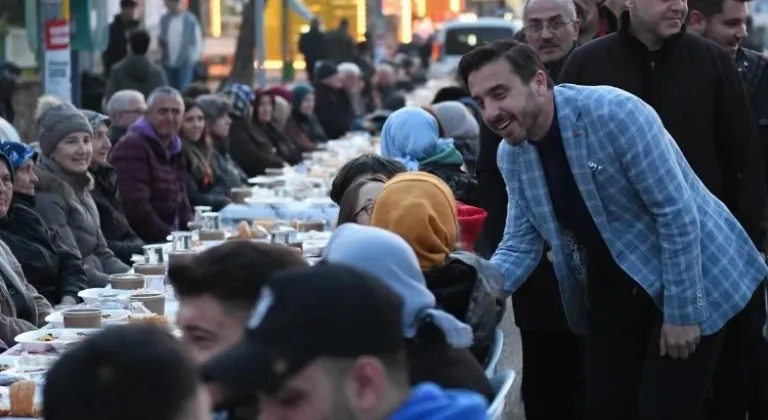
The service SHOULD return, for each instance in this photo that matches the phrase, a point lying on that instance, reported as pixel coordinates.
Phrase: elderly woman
(459, 124)
(303, 126)
(22, 308)
(52, 268)
(265, 126)
(121, 239)
(203, 187)
(421, 209)
(413, 136)
(217, 120)
(64, 199)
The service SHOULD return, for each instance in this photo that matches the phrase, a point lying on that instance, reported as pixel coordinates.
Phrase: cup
(127, 281)
(238, 195)
(180, 255)
(153, 301)
(82, 318)
(149, 269)
(212, 235)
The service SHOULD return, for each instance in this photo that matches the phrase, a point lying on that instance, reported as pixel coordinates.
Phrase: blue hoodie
(430, 402)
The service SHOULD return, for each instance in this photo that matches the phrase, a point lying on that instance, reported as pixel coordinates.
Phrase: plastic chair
(498, 346)
(501, 385)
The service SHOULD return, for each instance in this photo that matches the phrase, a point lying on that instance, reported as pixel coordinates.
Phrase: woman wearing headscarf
(217, 120)
(265, 126)
(413, 136)
(64, 198)
(421, 209)
(203, 188)
(303, 125)
(54, 270)
(459, 124)
(121, 238)
(437, 342)
(250, 148)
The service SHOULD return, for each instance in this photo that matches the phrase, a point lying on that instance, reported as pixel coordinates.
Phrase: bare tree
(242, 68)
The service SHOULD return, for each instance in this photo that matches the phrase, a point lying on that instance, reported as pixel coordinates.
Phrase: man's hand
(679, 341)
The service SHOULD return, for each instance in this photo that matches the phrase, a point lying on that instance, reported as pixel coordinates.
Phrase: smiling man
(592, 172)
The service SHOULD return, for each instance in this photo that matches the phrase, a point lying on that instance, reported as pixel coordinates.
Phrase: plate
(92, 295)
(56, 319)
(30, 341)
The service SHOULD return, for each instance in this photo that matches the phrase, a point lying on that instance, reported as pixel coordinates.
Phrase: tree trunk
(242, 68)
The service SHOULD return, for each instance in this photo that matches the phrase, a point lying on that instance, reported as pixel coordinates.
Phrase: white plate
(56, 319)
(31, 343)
(266, 179)
(92, 295)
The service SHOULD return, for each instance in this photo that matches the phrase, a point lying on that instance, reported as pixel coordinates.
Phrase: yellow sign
(65, 9)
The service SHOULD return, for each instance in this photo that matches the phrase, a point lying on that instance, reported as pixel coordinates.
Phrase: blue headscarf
(17, 153)
(241, 97)
(362, 247)
(411, 136)
(298, 93)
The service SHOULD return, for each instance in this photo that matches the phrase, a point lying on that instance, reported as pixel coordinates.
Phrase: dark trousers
(627, 378)
(740, 386)
(553, 380)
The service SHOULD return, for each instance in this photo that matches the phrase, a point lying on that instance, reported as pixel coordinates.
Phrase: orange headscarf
(421, 208)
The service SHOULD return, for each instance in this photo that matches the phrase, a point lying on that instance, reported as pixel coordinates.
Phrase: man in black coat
(124, 22)
(694, 86)
(741, 381)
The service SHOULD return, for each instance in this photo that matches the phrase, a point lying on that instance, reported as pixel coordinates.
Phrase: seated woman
(250, 148)
(203, 188)
(217, 120)
(437, 341)
(53, 269)
(303, 125)
(421, 209)
(357, 202)
(121, 239)
(23, 308)
(264, 126)
(413, 136)
(459, 124)
(64, 200)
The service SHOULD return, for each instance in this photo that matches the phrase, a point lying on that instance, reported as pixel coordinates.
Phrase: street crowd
(604, 173)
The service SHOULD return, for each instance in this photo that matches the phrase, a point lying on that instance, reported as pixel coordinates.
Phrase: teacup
(174, 256)
(149, 269)
(127, 281)
(153, 301)
(238, 195)
(82, 318)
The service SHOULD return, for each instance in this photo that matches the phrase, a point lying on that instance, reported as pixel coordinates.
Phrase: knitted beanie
(57, 122)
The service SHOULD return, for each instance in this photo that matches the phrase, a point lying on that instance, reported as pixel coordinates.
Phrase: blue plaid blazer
(662, 226)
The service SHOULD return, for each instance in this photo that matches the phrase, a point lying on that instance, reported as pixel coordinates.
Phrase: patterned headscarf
(17, 153)
(241, 97)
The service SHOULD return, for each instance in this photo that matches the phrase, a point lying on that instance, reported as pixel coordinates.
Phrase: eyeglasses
(366, 208)
(553, 25)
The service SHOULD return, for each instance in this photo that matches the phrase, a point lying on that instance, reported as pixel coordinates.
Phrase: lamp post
(261, 53)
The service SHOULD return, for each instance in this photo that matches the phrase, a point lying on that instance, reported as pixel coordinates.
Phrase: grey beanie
(57, 122)
(213, 106)
(95, 119)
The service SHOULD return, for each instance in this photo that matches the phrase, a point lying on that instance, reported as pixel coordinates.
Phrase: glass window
(459, 41)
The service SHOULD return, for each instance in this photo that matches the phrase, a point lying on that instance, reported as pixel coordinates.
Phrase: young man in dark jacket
(135, 71)
(694, 86)
(121, 26)
(740, 388)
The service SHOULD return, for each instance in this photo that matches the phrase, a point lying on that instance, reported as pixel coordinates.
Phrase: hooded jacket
(429, 402)
(137, 73)
(64, 201)
(152, 181)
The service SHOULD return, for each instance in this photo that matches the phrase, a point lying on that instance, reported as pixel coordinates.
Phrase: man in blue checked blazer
(651, 266)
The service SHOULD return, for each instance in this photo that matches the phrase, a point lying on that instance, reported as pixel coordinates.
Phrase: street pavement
(512, 358)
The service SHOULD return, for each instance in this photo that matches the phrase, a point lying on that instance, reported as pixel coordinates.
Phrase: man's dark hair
(139, 40)
(450, 93)
(196, 89)
(707, 8)
(124, 372)
(233, 272)
(367, 164)
(522, 58)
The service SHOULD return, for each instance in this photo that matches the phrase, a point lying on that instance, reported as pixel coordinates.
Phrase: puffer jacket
(53, 269)
(121, 239)
(469, 288)
(65, 203)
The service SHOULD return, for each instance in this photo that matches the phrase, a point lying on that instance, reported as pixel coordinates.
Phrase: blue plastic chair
(501, 385)
(498, 346)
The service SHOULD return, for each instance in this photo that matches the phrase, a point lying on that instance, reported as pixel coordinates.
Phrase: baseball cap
(303, 314)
